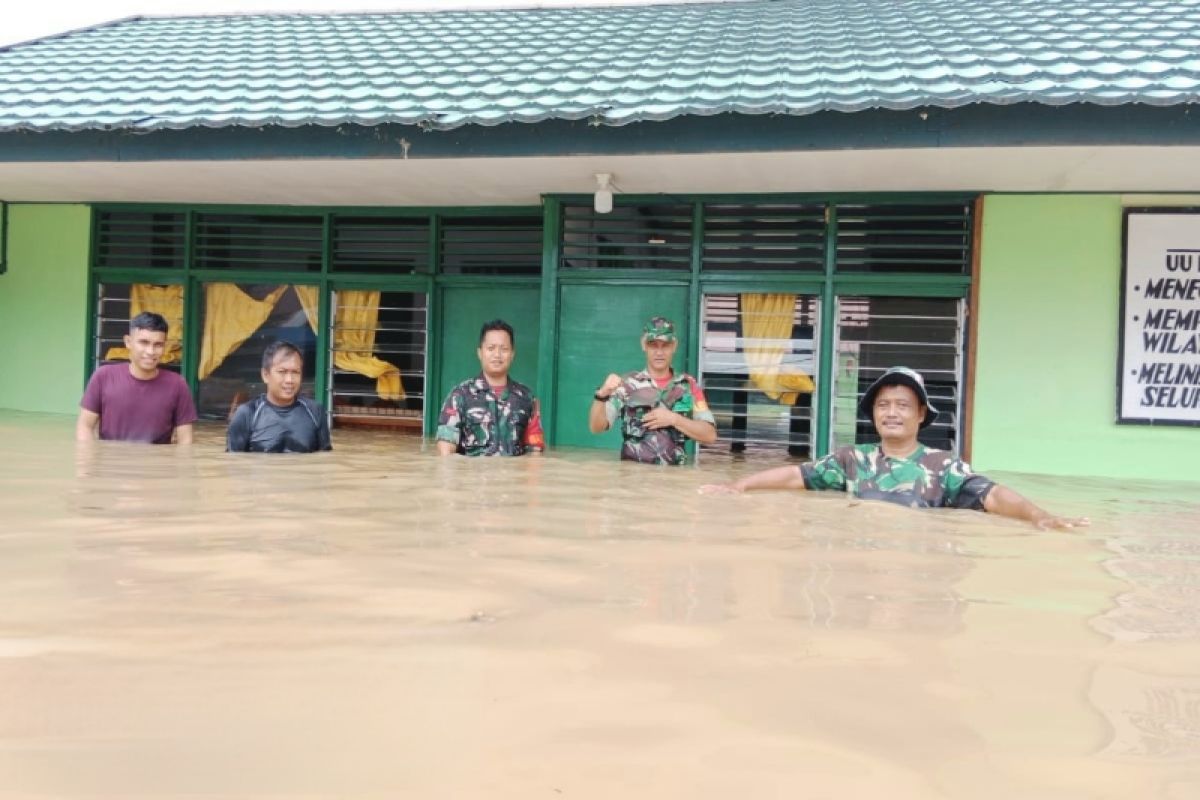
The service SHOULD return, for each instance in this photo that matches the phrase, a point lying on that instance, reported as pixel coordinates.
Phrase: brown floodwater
(377, 622)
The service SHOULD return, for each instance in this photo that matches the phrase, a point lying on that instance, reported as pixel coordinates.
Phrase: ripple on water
(378, 621)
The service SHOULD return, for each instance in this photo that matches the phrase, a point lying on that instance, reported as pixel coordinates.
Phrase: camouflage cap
(659, 329)
(898, 376)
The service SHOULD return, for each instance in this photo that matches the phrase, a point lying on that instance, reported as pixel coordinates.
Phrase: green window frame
(705, 258)
(176, 259)
(867, 255)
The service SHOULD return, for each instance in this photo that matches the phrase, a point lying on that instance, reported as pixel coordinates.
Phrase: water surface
(378, 622)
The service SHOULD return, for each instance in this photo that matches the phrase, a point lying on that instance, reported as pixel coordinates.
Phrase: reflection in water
(377, 622)
(1162, 571)
(1151, 696)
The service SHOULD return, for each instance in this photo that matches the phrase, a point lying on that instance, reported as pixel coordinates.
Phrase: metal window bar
(401, 340)
(746, 417)
(876, 333)
(113, 305)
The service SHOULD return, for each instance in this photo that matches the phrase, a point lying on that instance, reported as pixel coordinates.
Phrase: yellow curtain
(354, 338)
(231, 317)
(769, 316)
(165, 300)
(308, 301)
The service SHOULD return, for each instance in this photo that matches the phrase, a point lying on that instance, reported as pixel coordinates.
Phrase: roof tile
(614, 64)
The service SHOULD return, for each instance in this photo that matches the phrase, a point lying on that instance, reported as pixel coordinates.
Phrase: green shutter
(764, 237)
(644, 236)
(140, 239)
(380, 245)
(259, 242)
(907, 238)
(491, 245)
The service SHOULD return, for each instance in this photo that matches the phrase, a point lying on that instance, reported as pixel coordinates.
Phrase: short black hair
(497, 325)
(277, 347)
(148, 321)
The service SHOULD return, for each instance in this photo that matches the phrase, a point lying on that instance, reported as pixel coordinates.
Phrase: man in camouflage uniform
(490, 414)
(659, 409)
(900, 469)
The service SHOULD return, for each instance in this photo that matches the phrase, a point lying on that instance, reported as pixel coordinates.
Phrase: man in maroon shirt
(138, 402)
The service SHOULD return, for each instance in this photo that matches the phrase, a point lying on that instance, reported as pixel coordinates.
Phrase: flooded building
(813, 190)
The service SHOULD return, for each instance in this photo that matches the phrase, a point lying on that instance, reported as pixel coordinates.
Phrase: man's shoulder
(107, 373)
(520, 389)
(856, 451)
(172, 379)
(313, 407)
(459, 390)
(946, 464)
(474, 385)
(247, 409)
(933, 458)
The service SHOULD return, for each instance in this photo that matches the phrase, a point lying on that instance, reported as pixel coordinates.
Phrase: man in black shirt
(279, 421)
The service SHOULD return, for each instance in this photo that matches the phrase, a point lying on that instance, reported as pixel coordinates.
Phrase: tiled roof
(611, 65)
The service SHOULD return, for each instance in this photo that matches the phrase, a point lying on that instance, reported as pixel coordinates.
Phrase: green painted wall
(464, 310)
(43, 298)
(600, 330)
(1045, 381)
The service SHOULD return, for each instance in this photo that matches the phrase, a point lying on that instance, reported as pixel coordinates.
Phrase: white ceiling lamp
(603, 201)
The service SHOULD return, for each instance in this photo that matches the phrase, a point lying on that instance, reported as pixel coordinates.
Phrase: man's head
(282, 372)
(497, 347)
(146, 340)
(898, 404)
(659, 343)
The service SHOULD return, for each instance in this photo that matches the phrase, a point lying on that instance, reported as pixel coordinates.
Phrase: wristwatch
(599, 398)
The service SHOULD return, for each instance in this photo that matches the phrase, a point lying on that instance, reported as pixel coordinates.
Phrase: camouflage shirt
(926, 479)
(481, 423)
(637, 394)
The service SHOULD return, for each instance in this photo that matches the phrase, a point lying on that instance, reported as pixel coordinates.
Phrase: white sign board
(1158, 378)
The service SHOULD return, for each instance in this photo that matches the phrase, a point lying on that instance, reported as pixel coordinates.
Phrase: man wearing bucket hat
(900, 469)
(659, 409)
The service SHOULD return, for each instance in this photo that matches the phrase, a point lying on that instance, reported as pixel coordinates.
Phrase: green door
(464, 310)
(599, 331)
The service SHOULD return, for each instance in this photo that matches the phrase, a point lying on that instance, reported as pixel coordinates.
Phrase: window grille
(397, 340)
(114, 308)
(761, 387)
(112, 321)
(875, 333)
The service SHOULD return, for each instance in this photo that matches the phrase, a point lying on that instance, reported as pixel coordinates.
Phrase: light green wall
(42, 308)
(1045, 380)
